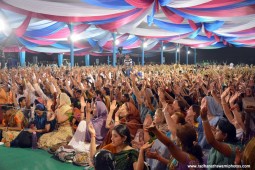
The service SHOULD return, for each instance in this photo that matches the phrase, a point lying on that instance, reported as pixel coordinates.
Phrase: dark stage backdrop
(222, 55)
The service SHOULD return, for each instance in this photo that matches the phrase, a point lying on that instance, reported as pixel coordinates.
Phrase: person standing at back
(128, 63)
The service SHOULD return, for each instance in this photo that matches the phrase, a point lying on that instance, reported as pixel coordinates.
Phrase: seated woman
(12, 123)
(125, 156)
(63, 114)
(126, 114)
(81, 138)
(40, 125)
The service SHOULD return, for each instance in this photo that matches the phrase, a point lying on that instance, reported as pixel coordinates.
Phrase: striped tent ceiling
(44, 25)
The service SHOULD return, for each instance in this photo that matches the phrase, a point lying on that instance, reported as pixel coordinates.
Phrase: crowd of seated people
(158, 116)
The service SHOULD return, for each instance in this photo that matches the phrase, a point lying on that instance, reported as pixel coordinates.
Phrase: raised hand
(225, 93)
(147, 121)
(152, 155)
(49, 104)
(82, 101)
(151, 128)
(113, 105)
(146, 146)
(234, 97)
(91, 129)
(203, 111)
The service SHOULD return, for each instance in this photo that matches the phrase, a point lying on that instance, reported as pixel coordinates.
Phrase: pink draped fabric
(178, 37)
(82, 44)
(208, 33)
(199, 45)
(12, 49)
(247, 31)
(193, 25)
(116, 24)
(225, 42)
(250, 42)
(39, 42)
(140, 3)
(217, 38)
(172, 16)
(242, 11)
(120, 39)
(217, 3)
(23, 27)
(62, 18)
(65, 32)
(100, 54)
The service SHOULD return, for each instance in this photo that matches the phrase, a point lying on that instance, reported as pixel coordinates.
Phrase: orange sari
(12, 120)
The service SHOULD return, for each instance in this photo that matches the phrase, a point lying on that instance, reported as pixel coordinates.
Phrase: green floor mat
(29, 159)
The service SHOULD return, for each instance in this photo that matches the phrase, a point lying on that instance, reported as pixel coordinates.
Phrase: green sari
(125, 159)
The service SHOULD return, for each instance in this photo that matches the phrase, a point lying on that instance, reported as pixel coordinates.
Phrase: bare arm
(176, 152)
(109, 117)
(221, 147)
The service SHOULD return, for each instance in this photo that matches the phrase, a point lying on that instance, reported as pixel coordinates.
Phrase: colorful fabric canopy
(42, 25)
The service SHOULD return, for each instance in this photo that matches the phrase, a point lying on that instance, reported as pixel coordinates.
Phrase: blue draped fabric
(27, 43)
(46, 31)
(114, 4)
(204, 38)
(164, 2)
(218, 44)
(227, 7)
(151, 16)
(129, 41)
(189, 16)
(179, 28)
(195, 33)
(61, 46)
(112, 19)
(213, 26)
(229, 38)
(92, 42)
(126, 51)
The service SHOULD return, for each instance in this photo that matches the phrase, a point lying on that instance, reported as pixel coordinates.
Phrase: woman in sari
(125, 156)
(40, 125)
(63, 114)
(12, 123)
(127, 114)
(81, 139)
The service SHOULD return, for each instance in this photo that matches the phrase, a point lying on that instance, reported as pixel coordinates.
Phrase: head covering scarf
(132, 120)
(98, 122)
(40, 107)
(64, 103)
(40, 121)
